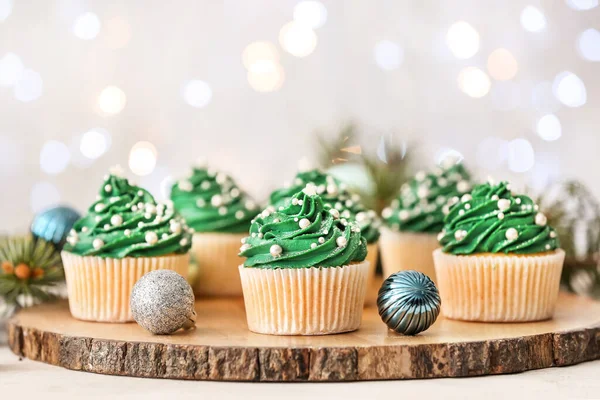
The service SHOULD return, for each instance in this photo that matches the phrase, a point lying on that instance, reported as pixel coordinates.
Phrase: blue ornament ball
(408, 302)
(54, 224)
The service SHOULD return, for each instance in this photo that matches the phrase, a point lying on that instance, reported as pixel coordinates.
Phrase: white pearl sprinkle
(148, 216)
(304, 223)
(216, 200)
(540, 219)
(446, 209)
(98, 218)
(518, 200)
(503, 204)
(245, 247)
(321, 240)
(300, 202)
(387, 212)
(140, 224)
(552, 234)
(222, 210)
(341, 241)
(332, 189)
(440, 236)
(467, 206)
(239, 214)
(463, 186)
(134, 208)
(419, 176)
(349, 203)
(99, 207)
(84, 229)
(175, 228)
(108, 188)
(221, 178)
(334, 213)
(97, 243)
(200, 203)
(512, 234)
(151, 238)
(495, 197)
(360, 217)
(276, 220)
(442, 182)
(183, 242)
(276, 250)
(461, 212)
(500, 215)
(185, 185)
(107, 226)
(548, 247)
(423, 192)
(243, 240)
(466, 197)
(250, 205)
(460, 234)
(235, 192)
(72, 240)
(313, 245)
(127, 232)
(295, 201)
(403, 215)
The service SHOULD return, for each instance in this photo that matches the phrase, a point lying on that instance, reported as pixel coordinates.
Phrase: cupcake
(220, 213)
(124, 235)
(304, 272)
(500, 260)
(413, 220)
(335, 194)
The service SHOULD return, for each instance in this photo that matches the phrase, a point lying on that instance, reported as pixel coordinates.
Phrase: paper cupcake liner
(406, 250)
(217, 258)
(304, 301)
(499, 287)
(99, 289)
(372, 253)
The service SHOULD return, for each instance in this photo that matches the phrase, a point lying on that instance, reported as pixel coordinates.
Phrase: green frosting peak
(210, 201)
(421, 203)
(494, 220)
(304, 234)
(126, 221)
(334, 194)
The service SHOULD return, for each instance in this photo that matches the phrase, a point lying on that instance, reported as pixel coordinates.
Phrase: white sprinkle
(463, 186)
(107, 226)
(503, 204)
(99, 207)
(466, 197)
(151, 238)
(235, 192)
(243, 240)
(222, 210)
(216, 200)
(552, 234)
(440, 236)
(518, 200)
(453, 200)
(114, 199)
(442, 182)
(183, 242)
(344, 222)
(341, 241)
(150, 208)
(140, 224)
(460, 235)
(495, 197)
(221, 178)
(387, 212)
(239, 214)
(420, 176)
(461, 212)
(84, 229)
(200, 203)
(300, 202)
(127, 232)
(540, 219)
(500, 215)
(185, 185)
(295, 201)
(164, 236)
(423, 192)
(140, 206)
(332, 189)
(346, 214)
(403, 215)
(295, 219)
(134, 208)
(175, 228)
(334, 213)
(338, 206)
(313, 245)
(98, 218)
(250, 205)
(108, 188)
(547, 247)
(349, 203)
(148, 216)
(72, 240)
(512, 234)
(97, 243)
(467, 206)
(276, 220)
(446, 209)
(321, 240)
(245, 247)
(304, 223)
(536, 207)
(276, 250)
(360, 217)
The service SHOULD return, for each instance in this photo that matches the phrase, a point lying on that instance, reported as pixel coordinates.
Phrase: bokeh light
(388, 55)
(266, 76)
(197, 93)
(142, 158)
(543, 98)
(521, 157)
(259, 51)
(5, 9)
(29, 87)
(86, 26)
(474, 82)
(502, 65)
(112, 100)
(492, 153)
(297, 39)
(43, 195)
(462, 40)
(311, 13)
(447, 156)
(532, 19)
(569, 89)
(549, 128)
(54, 157)
(588, 44)
(116, 33)
(582, 5)
(94, 143)
(11, 69)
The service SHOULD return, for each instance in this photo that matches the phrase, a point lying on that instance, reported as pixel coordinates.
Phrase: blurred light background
(511, 86)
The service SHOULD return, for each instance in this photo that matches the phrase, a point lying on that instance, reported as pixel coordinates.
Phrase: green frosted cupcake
(220, 213)
(413, 220)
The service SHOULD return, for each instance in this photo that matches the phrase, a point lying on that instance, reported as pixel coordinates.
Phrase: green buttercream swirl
(493, 220)
(421, 201)
(126, 221)
(308, 233)
(335, 194)
(212, 202)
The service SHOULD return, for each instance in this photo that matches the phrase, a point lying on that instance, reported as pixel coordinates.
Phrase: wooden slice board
(222, 348)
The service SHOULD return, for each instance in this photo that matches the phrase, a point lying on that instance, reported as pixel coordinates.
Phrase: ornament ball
(162, 302)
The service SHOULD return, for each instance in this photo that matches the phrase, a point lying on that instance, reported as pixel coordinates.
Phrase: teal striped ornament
(53, 225)
(408, 302)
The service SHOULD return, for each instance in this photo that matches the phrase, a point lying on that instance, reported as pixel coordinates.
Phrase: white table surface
(28, 379)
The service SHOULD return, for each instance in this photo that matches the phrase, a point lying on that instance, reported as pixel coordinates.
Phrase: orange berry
(7, 267)
(38, 273)
(23, 271)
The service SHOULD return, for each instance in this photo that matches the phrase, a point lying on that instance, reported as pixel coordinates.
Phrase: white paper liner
(372, 253)
(217, 258)
(304, 301)
(407, 250)
(499, 288)
(99, 289)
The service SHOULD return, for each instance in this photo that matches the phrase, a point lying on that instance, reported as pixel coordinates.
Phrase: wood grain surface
(222, 348)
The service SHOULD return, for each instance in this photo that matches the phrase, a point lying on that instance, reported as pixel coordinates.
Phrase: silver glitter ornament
(162, 302)
(408, 302)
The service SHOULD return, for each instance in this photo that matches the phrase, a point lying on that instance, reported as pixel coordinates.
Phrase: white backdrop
(396, 67)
